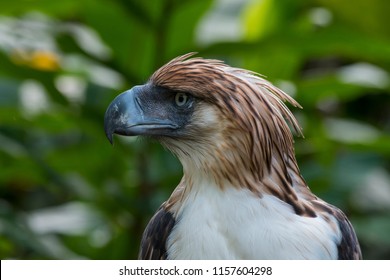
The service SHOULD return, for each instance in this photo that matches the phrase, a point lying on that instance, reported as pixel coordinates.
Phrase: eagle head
(220, 121)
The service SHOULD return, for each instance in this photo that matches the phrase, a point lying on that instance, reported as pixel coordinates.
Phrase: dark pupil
(181, 99)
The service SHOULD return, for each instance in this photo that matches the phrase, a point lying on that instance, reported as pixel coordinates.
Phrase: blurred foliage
(65, 193)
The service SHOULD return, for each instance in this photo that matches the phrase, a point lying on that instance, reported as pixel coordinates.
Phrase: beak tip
(118, 113)
(109, 132)
(109, 135)
(109, 124)
(110, 138)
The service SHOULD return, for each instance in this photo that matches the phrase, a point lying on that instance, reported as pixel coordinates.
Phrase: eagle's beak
(125, 116)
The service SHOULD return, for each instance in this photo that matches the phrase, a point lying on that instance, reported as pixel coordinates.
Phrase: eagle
(242, 195)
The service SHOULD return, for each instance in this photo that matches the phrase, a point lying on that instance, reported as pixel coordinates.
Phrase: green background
(66, 193)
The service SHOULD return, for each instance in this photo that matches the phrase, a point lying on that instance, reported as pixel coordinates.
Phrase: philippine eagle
(242, 195)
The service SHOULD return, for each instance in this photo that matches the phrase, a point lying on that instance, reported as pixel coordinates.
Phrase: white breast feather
(235, 224)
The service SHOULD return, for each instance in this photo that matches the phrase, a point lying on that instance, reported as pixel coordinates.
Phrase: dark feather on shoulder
(153, 244)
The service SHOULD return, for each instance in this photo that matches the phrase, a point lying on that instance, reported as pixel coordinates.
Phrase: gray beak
(125, 116)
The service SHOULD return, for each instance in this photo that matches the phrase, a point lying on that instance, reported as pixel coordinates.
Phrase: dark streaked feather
(348, 248)
(153, 244)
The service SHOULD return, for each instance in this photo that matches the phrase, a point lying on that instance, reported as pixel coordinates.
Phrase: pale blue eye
(181, 99)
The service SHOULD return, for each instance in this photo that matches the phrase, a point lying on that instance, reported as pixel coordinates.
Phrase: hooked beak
(125, 116)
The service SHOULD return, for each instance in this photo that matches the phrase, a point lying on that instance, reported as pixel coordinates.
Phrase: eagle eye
(181, 99)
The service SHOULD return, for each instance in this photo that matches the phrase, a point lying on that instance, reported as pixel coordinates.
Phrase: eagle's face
(188, 125)
(150, 110)
(174, 117)
(221, 120)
